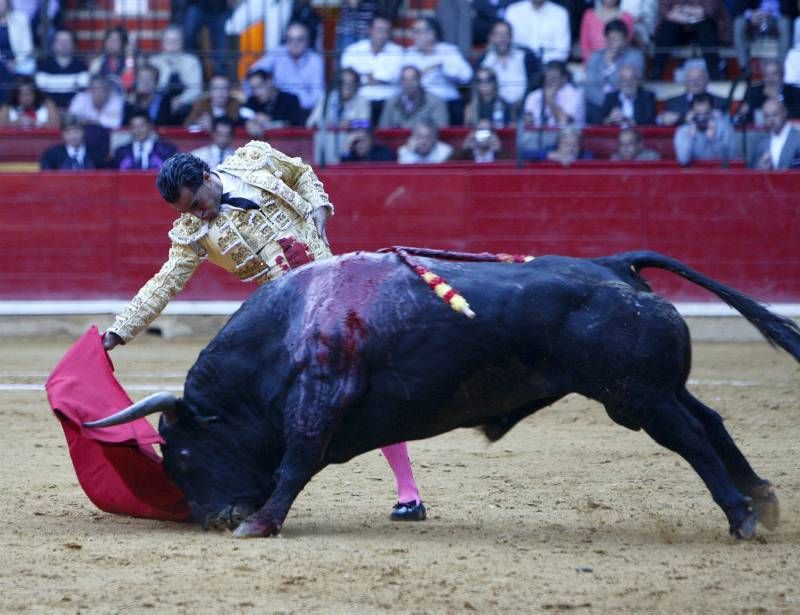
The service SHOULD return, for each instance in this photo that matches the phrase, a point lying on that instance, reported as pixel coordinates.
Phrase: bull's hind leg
(763, 497)
(670, 423)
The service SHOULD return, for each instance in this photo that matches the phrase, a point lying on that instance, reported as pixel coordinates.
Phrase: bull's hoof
(409, 511)
(747, 528)
(254, 528)
(765, 503)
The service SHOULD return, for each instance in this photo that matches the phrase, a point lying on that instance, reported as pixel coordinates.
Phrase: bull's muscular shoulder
(188, 229)
(257, 155)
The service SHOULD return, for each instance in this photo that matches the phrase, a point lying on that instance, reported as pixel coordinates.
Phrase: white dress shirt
(441, 152)
(110, 116)
(545, 28)
(776, 143)
(441, 69)
(383, 66)
(512, 78)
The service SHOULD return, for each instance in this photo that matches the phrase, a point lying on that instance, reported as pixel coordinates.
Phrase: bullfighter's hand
(111, 340)
(320, 218)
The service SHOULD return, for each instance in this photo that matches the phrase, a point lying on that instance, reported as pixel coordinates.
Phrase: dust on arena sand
(568, 512)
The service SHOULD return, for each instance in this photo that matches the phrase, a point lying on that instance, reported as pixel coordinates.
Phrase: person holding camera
(706, 135)
(482, 144)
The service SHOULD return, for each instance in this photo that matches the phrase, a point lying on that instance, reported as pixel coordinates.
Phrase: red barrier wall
(101, 235)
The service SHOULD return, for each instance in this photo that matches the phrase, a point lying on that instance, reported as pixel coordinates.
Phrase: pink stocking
(397, 456)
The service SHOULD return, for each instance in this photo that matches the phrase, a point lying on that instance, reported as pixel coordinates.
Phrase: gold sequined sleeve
(153, 297)
(301, 178)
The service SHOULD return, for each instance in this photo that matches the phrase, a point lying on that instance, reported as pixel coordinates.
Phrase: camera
(482, 136)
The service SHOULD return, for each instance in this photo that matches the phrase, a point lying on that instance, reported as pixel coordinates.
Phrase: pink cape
(117, 467)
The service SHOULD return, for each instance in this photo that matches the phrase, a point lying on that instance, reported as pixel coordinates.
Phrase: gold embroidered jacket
(254, 245)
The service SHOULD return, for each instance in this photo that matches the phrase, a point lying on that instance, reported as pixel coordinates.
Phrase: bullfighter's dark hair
(178, 171)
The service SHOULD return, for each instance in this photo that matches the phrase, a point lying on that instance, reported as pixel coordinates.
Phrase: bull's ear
(157, 402)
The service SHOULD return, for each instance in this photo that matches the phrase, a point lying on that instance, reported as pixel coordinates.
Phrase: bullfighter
(258, 215)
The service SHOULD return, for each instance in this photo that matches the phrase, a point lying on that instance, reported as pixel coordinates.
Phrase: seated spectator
(631, 147)
(602, 69)
(180, 75)
(594, 35)
(543, 27)
(558, 102)
(482, 144)
(696, 81)
(73, 154)
(98, 104)
(791, 68)
(756, 18)
(296, 68)
(378, 61)
(412, 104)
(486, 103)
(146, 151)
(772, 86)
(631, 104)
(28, 107)
(147, 99)
(568, 148)
(681, 21)
(423, 146)
(115, 63)
(441, 66)
(61, 74)
(304, 13)
(780, 147)
(221, 145)
(645, 15)
(360, 146)
(217, 103)
(706, 135)
(518, 69)
(345, 104)
(486, 13)
(268, 107)
(16, 46)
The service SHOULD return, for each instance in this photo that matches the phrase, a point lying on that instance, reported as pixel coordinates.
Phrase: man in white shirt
(442, 66)
(221, 146)
(423, 146)
(543, 26)
(518, 69)
(780, 149)
(378, 61)
(98, 104)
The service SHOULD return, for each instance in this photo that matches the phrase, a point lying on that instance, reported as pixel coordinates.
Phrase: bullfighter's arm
(301, 178)
(153, 297)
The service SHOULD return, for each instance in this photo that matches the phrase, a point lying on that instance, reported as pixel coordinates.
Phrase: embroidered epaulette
(254, 155)
(188, 229)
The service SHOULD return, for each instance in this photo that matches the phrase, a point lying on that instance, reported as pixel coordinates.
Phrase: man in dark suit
(771, 86)
(268, 106)
(631, 104)
(73, 154)
(146, 151)
(780, 147)
(146, 98)
(696, 80)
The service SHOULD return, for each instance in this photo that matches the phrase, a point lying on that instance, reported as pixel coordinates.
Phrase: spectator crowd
(547, 68)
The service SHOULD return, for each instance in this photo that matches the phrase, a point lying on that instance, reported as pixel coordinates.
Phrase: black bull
(356, 352)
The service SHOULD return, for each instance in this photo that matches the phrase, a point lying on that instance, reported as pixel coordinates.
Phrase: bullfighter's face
(204, 203)
(209, 461)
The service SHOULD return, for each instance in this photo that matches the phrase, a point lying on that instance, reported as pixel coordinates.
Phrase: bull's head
(220, 465)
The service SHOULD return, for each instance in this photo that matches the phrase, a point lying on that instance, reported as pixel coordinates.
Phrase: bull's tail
(778, 330)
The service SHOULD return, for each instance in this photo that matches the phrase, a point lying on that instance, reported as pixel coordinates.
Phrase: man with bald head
(695, 77)
(631, 104)
(780, 147)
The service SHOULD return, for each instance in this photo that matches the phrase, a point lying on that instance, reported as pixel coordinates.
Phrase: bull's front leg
(299, 464)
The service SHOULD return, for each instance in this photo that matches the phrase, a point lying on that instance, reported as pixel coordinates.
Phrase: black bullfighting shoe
(409, 511)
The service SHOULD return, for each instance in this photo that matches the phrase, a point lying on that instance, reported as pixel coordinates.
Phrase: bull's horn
(157, 402)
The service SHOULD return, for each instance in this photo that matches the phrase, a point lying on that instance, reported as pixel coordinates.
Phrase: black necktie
(237, 201)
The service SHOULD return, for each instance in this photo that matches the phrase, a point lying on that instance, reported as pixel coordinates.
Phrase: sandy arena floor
(568, 512)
